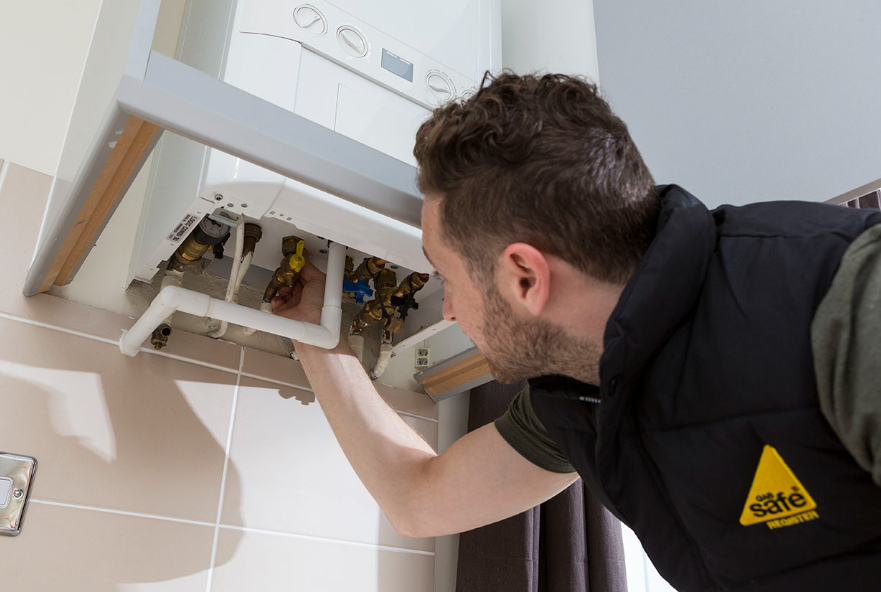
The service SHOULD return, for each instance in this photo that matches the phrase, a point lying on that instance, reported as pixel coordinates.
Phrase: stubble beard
(517, 349)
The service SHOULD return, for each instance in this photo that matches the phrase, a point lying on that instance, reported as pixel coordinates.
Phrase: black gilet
(707, 360)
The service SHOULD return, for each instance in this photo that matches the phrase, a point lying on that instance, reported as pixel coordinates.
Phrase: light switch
(16, 477)
(5, 491)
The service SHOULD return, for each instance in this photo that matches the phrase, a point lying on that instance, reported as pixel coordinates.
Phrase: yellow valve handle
(297, 261)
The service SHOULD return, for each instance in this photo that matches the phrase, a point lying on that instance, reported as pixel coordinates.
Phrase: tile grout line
(108, 341)
(308, 537)
(119, 512)
(291, 535)
(232, 418)
(74, 332)
(153, 352)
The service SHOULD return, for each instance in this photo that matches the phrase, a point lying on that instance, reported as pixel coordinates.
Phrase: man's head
(530, 184)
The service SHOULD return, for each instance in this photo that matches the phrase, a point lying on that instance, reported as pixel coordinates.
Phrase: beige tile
(23, 196)
(202, 349)
(408, 401)
(277, 368)
(269, 563)
(293, 475)
(144, 434)
(273, 367)
(78, 550)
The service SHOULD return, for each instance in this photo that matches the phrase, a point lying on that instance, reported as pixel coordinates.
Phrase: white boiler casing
(369, 69)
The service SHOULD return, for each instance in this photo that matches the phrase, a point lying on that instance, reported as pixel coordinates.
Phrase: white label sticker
(182, 228)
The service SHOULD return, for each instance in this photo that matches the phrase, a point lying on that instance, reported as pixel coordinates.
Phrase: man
(713, 376)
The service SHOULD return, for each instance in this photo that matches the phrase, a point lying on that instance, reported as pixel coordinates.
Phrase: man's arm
(481, 479)
(845, 334)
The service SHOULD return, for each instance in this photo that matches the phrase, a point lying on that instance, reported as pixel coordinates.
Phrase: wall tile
(144, 434)
(272, 367)
(276, 368)
(269, 563)
(294, 476)
(23, 197)
(85, 551)
(202, 349)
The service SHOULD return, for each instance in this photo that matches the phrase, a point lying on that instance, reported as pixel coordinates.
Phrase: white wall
(742, 102)
(44, 46)
(554, 35)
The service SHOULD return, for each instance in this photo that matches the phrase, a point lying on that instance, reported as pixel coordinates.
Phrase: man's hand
(303, 302)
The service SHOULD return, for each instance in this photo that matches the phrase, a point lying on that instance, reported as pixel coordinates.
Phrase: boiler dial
(352, 41)
(440, 86)
(310, 18)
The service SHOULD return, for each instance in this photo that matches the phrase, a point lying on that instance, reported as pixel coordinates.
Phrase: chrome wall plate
(16, 477)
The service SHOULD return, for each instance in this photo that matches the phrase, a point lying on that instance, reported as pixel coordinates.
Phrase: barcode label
(182, 228)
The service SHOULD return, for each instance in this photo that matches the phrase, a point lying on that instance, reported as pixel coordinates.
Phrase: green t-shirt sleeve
(846, 342)
(520, 428)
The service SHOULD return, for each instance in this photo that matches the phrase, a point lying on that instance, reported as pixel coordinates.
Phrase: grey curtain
(568, 544)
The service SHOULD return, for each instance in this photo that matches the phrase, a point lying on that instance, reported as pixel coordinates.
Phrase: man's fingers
(310, 273)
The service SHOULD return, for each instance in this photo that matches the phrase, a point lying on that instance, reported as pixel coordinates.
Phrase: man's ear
(524, 276)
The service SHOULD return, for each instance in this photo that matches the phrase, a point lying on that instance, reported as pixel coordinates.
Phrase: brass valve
(292, 248)
(204, 236)
(367, 270)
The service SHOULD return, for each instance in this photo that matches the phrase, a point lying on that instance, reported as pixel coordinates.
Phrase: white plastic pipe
(173, 298)
(234, 272)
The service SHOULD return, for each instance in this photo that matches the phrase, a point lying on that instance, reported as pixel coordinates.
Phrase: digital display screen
(397, 65)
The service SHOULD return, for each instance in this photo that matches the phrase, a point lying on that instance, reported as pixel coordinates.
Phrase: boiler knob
(440, 87)
(310, 18)
(352, 41)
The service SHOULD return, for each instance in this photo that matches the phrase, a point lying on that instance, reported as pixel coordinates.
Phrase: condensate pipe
(173, 298)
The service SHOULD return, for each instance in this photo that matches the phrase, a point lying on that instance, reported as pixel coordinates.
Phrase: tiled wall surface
(207, 467)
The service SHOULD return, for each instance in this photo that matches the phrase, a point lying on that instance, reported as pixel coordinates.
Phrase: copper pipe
(253, 234)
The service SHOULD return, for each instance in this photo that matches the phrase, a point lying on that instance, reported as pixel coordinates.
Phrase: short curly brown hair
(541, 160)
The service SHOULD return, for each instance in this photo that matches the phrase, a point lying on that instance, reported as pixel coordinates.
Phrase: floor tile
(269, 563)
(293, 475)
(77, 550)
(144, 434)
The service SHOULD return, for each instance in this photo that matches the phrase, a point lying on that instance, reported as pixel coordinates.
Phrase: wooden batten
(136, 139)
(446, 379)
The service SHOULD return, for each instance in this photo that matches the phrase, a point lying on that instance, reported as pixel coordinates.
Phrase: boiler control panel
(338, 36)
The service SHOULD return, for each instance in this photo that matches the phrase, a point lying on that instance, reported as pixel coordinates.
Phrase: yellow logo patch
(776, 495)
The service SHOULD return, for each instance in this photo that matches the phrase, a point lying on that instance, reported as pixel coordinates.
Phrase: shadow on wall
(148, 452)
